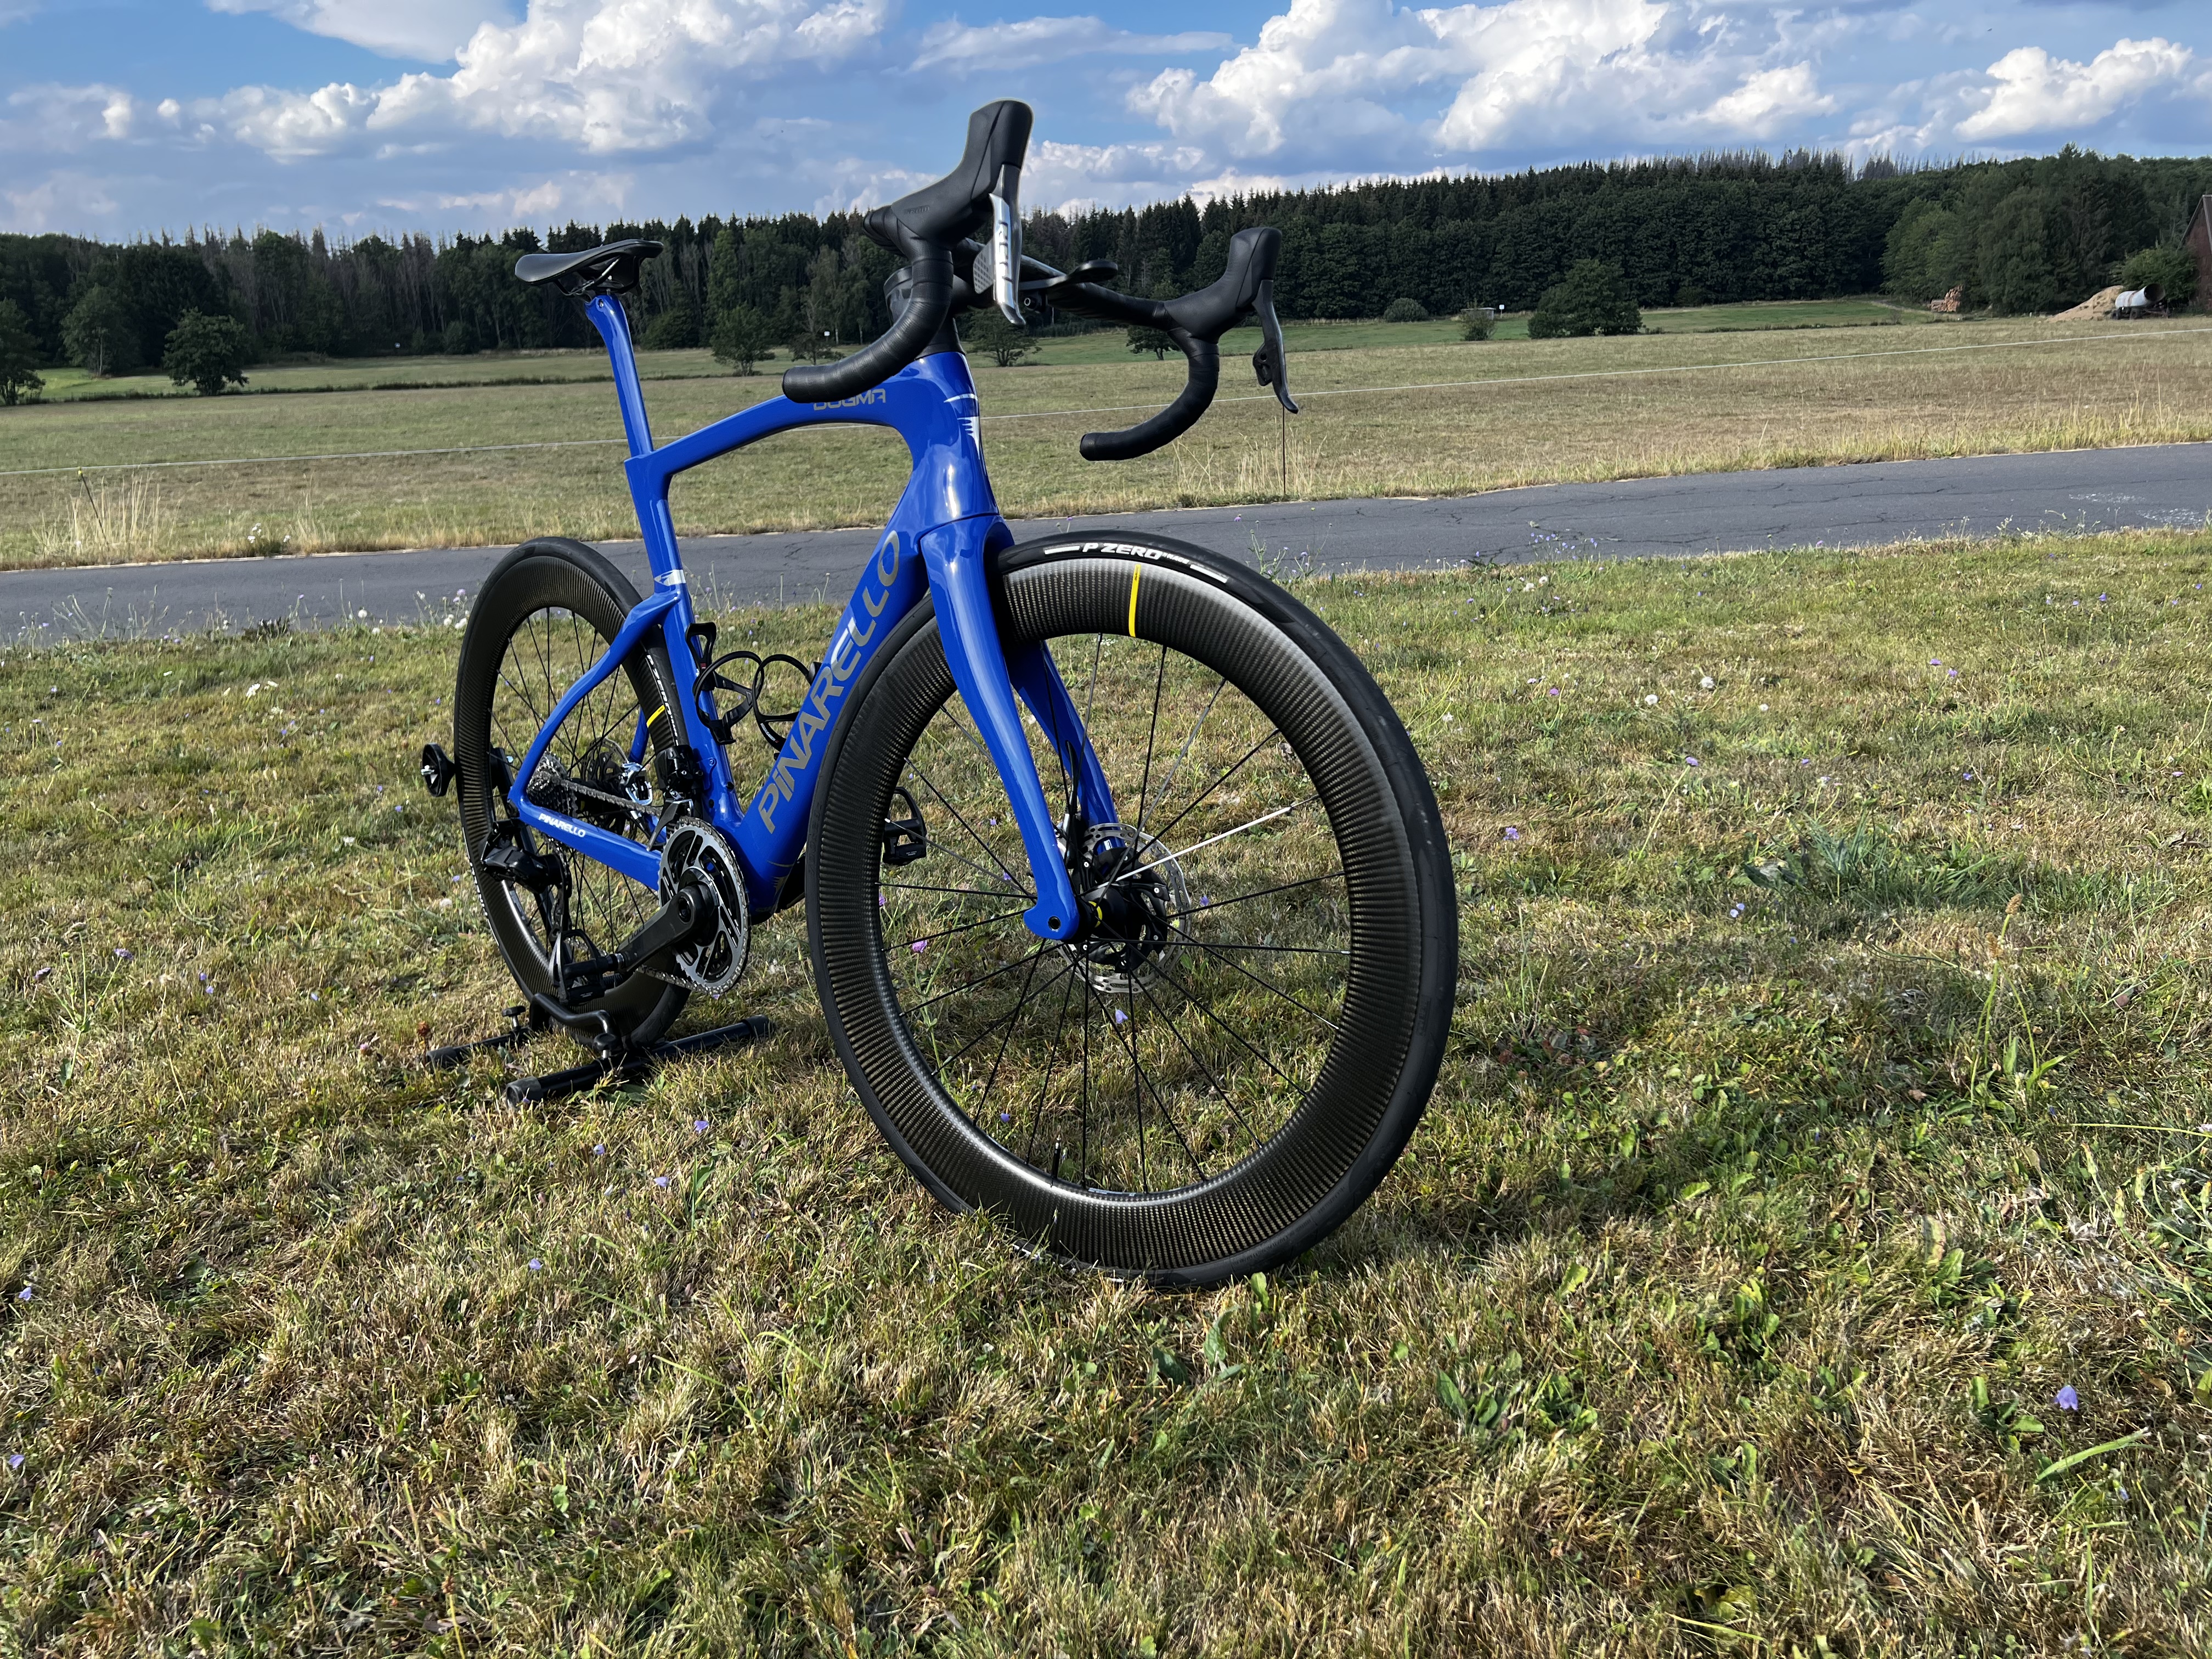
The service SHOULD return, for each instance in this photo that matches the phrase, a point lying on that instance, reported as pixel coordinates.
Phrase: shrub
(2171, 267)
(1593, 298)
(986, 331)
(742, 339)
(676, 329)
(1477, 323)
(1690, 295)
(1404, 311)
(19, 355)
(455, 342)
(209, 353)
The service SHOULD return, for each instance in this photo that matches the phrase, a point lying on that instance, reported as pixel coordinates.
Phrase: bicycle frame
(940, 538)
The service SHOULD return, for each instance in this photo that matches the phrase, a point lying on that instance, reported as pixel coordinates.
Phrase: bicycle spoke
(1151, 734)
(1207, 1008)
(994, 893)
(1204, 714)
(965, 927)
(980, 978)
(1222, 904)
(1029, 982)
(1231, 962)
(1252, 823)
(1052, 1060)
(928, 784)
(1220, 1088)
(1273, 733)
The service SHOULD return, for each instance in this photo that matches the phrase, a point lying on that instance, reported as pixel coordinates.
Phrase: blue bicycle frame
(939, 540)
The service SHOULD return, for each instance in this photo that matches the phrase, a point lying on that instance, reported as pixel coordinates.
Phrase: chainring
(696, 851)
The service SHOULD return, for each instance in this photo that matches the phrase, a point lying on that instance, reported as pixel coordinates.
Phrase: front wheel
(1223, 1069)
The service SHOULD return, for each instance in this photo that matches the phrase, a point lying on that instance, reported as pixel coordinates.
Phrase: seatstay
(618, 853)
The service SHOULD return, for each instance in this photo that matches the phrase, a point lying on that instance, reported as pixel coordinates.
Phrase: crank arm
(674, 925)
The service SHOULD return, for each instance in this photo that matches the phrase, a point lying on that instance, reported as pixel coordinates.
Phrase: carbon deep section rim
(1322, 1161)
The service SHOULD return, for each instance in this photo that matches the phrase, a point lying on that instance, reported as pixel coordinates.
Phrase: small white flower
(1651, 699)
(1706, 683)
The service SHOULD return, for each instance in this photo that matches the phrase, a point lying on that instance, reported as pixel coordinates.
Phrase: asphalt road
(2166, 485)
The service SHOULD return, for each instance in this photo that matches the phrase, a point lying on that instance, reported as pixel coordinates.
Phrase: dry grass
(1521, 424)
(1719, 1304)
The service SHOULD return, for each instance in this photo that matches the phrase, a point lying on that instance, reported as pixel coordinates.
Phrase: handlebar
(1195, 322)
(924, 228)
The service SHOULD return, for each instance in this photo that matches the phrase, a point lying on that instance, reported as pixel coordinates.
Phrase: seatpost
(613, 323)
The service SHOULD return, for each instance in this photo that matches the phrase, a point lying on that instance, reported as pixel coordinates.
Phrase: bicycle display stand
(620, 1065)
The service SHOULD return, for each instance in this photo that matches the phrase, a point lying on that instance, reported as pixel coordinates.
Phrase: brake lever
(1268, 361)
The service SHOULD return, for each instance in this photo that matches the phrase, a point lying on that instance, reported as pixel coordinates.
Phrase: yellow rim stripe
(660, 712)
(1135, 571)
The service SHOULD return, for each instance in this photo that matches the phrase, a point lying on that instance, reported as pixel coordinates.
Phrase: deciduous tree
(207, 352)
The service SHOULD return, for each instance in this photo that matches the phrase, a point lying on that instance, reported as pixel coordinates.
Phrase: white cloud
(1367, 82)
(432, 29)
(1768, 100)
(604, 75)
(289, 125)
(1002, 47)
(63, 202)
(58, 118)
(2037, 93)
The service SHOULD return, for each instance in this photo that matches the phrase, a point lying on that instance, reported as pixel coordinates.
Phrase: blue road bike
(1128, 900)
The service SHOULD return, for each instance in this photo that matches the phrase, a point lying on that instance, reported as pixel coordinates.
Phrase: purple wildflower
(2066, 1400)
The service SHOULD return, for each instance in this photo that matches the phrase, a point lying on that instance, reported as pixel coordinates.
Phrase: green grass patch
(1823, 1099)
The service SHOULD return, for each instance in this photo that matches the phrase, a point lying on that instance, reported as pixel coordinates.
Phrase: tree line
(2017, 236)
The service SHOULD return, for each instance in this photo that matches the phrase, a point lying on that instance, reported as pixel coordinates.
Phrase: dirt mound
(2094, 309)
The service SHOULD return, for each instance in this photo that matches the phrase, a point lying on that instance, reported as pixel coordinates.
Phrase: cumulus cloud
(432, 29)
(1768, 100)
(58, 118)
(604, 75)
(1002, 47)
(1393, 86)
(2037, 93)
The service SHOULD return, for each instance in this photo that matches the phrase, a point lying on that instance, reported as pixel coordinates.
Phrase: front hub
(1133, 893)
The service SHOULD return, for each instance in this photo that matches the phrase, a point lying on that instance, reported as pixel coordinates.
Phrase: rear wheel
(542, 619)
(1226, 1067)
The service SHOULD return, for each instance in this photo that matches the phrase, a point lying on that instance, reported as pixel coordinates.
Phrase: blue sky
(122, 117)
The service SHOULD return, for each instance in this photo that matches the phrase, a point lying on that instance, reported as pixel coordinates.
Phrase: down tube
(772, 832)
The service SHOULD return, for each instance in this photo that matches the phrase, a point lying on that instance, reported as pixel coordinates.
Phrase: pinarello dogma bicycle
(1128, 900)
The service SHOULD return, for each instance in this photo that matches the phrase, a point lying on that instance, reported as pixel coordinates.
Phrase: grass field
(1818, 1109)
(70, 384)
(1497, 414)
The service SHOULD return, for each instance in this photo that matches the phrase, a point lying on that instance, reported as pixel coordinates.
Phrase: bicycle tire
(1341, 1106)
(565, 603)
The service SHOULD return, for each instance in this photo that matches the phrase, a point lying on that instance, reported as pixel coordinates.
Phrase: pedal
(906, 839)
(437, 770)
(510, 857)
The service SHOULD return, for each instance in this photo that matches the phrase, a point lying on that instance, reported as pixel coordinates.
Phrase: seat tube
(613, 324)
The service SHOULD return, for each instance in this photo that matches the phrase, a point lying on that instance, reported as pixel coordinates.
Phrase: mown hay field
(1805, 1252)
(1440, 417)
